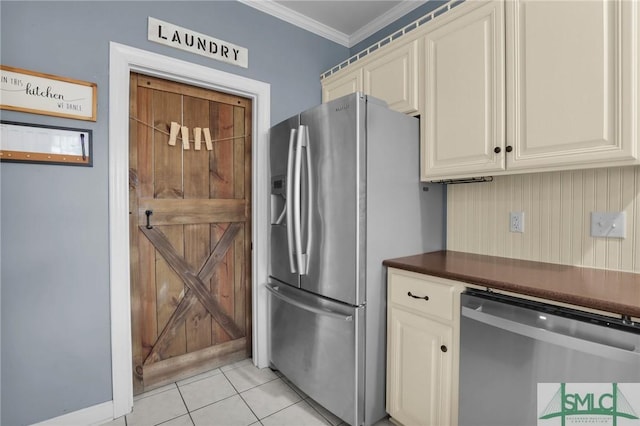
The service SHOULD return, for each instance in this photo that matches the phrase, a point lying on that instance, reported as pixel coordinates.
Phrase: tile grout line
(269, 381)
(237, 393)
(214, 403)
(275, 412)
(185, 404)
(307, 397)
(302, 397)
(240, 395)
(317, 411)
(140, 398)
(175, 384)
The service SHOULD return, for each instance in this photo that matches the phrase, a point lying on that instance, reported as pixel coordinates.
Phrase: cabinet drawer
(410, 291)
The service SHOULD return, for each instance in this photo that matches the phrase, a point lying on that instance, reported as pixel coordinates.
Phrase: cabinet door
(393, 77)
(570, 87)
(463, 124)
(419, 372)
(343, 83)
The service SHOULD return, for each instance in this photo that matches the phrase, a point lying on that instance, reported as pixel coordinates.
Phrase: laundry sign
(194, 42)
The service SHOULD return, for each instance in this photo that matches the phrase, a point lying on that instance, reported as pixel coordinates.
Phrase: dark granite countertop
(611, 291)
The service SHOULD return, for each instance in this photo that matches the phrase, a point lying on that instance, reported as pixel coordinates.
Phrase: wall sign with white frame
(34, 143)
(38, 93)
(201, 44)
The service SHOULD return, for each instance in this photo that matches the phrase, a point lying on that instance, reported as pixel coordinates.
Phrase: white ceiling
(347, 22)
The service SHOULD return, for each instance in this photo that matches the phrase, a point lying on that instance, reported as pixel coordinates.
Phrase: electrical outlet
(516, 222)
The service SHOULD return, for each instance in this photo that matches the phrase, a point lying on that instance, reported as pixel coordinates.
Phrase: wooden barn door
(190, 221)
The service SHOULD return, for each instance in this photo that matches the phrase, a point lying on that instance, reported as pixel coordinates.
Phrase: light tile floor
(234, 395)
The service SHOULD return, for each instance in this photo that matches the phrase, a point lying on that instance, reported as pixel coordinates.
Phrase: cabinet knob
(497, 150)
(443, 348)
(509, 148)
(417, 297)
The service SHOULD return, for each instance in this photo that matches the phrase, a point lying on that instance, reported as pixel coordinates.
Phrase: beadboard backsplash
(557, 217)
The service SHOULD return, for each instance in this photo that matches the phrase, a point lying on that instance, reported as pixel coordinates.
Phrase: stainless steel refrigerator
(345, 195)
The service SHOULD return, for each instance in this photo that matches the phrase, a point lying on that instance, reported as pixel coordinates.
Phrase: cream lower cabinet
(423, 329)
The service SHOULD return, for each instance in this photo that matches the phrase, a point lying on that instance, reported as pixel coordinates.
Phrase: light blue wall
(55, 325)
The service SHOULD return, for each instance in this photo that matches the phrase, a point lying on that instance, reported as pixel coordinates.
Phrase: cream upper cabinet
(423, 332)
(463, 128)
(337, 85)
(512, 86)
(531, 85)
(571, 93)
(390, 74)
(393, 77)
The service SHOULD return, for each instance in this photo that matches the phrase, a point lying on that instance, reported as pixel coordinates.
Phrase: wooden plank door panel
(221, 173)
(167, 182)
(197, 238)
(144, 325)
(220, 285)
(190, 268)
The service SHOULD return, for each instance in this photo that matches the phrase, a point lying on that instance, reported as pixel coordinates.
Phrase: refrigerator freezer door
(318, 345)
(282, 144)
(335, 235)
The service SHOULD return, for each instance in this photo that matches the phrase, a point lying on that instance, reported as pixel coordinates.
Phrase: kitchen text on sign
(30, 91)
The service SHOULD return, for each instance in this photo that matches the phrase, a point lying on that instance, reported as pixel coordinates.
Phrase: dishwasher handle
(621, 353)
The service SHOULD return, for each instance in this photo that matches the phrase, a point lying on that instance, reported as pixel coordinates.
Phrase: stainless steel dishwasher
(509, 345)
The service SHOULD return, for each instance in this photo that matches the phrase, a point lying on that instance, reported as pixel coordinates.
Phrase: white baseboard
(95, 415)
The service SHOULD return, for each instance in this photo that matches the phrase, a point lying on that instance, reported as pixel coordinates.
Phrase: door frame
(123, 60)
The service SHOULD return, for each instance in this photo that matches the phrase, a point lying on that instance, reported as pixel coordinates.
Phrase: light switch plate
(608, 224)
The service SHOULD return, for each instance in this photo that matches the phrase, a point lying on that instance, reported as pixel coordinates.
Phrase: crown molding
(274, 9)
(382, 21)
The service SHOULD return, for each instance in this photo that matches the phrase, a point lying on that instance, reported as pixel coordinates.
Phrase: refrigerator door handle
(289, 203)
(307, 146)
(274, 289)
(297, 220)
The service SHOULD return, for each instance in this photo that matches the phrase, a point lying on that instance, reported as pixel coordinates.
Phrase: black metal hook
(149, 213)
